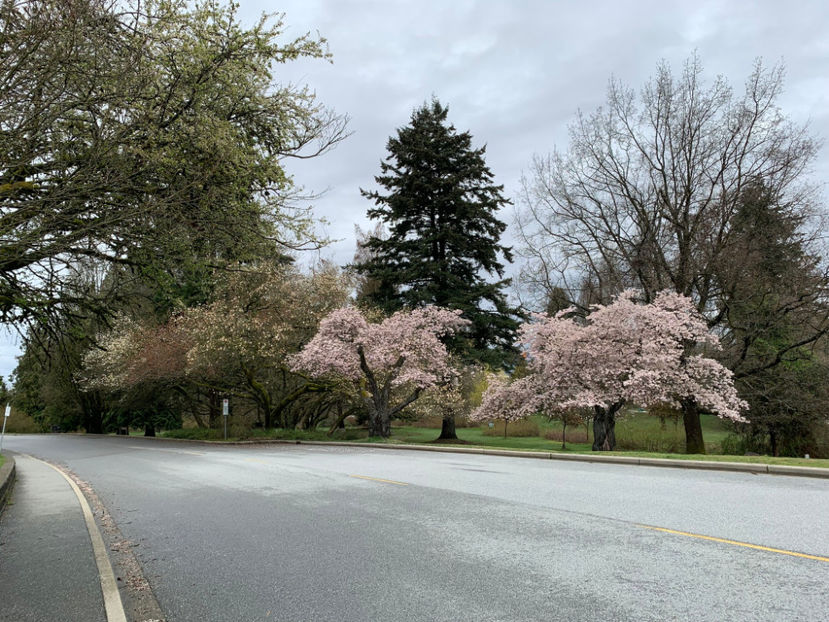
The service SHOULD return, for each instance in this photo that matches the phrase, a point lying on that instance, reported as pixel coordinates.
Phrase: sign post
(6, 416)
(225, 413)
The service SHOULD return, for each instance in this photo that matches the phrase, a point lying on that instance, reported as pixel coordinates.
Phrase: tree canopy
(625, 352)
(147, 137)
(654, 193)
(390, 362)
(440, 207)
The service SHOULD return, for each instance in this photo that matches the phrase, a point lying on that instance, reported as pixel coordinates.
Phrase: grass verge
(469, 437)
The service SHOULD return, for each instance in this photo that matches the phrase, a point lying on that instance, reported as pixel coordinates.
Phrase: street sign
(8, 410)
(225, 407)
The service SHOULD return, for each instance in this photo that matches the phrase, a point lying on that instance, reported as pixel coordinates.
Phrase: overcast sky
(515, 73)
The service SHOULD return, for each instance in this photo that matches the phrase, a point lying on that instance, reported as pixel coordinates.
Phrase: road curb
(7, 473)
(737, 467)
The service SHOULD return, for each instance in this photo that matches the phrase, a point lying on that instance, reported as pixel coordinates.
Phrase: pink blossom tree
(389, 363)
(506, 401)
(645, 354)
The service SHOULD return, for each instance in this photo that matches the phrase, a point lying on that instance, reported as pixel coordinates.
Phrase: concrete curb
(738, 467)
(7, 473)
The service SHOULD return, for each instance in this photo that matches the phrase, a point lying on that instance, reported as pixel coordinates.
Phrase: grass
(243, 434)
(2, 460)
(810, 462)
(636, 431)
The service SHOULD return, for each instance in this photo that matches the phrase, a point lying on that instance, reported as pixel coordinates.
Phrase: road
(307, 533)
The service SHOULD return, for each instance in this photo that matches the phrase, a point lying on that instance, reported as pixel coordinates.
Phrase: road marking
(258, 461)
(170, 451)
(109, 587)
(377, 479)
(736, 543)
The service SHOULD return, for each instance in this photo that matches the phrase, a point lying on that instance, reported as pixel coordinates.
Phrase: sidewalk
(47, 567)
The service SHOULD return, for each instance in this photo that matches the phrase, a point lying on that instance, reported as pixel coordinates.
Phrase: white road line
(109, 587)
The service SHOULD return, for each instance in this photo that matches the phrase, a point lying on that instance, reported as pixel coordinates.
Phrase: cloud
(514, 74)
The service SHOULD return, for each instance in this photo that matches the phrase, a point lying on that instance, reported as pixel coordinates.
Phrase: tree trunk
(604, 427)
(213, 408)
(447, 428)
(694, 443)
(563, 434)
(94, 424)
(149, 430)
(379, 424)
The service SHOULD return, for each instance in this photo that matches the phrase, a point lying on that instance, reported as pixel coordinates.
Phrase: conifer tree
(440, 210)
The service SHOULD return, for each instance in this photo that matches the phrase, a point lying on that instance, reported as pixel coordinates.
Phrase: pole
(225, 413)
(3, 433)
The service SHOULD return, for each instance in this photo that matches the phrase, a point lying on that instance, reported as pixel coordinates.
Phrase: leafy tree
(236, 344)
(650, 192)
(779, 367)
(623, 352)
(389, 363)
(150, 138)
(440, 209)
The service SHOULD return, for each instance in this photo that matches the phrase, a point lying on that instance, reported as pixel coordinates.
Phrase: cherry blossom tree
(624, 352)
(506, 401)
(389, 363)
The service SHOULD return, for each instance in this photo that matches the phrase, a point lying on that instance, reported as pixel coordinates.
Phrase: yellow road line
(736, 543)
(377, 479)
(257, 460)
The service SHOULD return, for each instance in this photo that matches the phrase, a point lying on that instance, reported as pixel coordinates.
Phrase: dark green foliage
(440, 208)
(775, 308)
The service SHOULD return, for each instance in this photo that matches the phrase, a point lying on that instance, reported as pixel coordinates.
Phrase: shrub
(21, 423)
(574, 435)
(525, 427)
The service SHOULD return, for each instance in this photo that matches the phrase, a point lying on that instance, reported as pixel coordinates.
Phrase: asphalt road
(303, 533)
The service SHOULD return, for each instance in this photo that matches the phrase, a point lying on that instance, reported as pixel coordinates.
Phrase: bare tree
(648, 193)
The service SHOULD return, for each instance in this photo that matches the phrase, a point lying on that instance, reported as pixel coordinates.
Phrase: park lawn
(637, 430)
(473, 437)
(807, 462)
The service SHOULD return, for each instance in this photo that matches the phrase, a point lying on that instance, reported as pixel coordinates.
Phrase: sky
(515, 73)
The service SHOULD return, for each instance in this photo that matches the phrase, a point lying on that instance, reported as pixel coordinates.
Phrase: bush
(523, 428)
(733, 445)
(642, 440)
(574, 435)
(434, 421)
(21, 423)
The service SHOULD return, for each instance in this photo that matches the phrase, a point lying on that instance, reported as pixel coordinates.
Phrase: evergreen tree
(440, 209)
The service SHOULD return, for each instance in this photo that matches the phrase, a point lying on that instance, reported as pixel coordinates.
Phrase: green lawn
(634, 430)
(2, 460)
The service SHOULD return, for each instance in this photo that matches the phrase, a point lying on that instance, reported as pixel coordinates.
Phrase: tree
(440, 209)
(503, 401)
(779, 368)
(388, 363)
(622, 353)
(649, 192)
(147, 138)
(236, 344)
